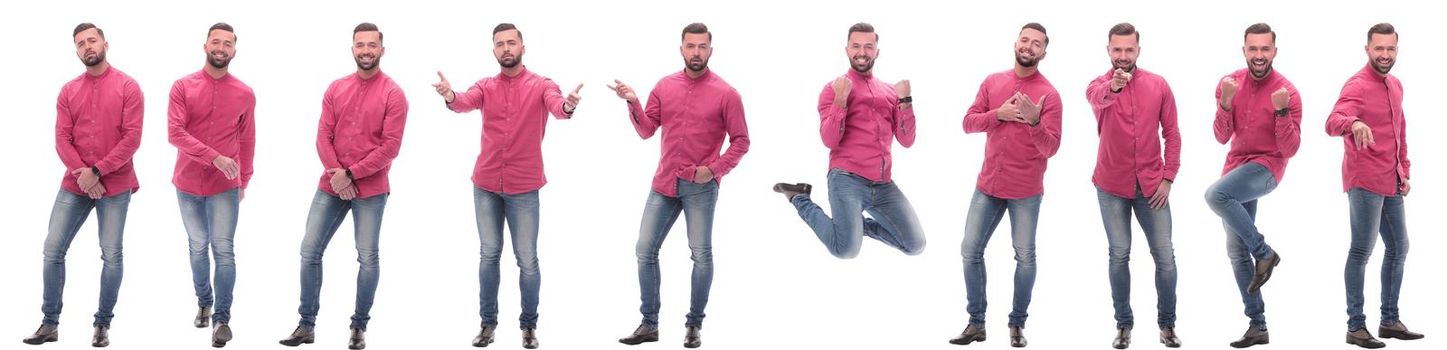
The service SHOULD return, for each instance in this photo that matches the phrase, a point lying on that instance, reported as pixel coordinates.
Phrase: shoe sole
(303, 341)
(645, 340)
(482, 344)
(976, 339)
(49, 339)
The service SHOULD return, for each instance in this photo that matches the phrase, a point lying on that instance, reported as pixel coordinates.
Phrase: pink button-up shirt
(98, 123)
(514, 118)
(695, 115)
(361, 130)
(859, 136)
(1376, 100)
(209, 118)
(1015, 153)
(1127, 123)
(1256, 134)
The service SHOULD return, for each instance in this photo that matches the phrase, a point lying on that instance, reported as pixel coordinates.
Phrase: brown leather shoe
(792, 190)
(1017, 337)
(101, 338)
(1122, 338)
(1398, 331)
(220, 335)
(1364, 339)
(484, 336)
(643, 334)
(971, 334)
(1264, 267)
(302, 335)
(530, 338)
(45, 334)
(692, 338)
(1168, 337)
(1253, 336)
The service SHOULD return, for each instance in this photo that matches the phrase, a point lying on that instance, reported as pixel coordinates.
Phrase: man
(703, 109)
(859, 116)
(515, 105)
(97, 130)
(1132, 106)
(363, 116)
(1019, 112)
(1263, 123)
(1375, 176)
(212, 123)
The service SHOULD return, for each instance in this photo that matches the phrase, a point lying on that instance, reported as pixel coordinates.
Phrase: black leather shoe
(302, 335)
(643, 334)
(203, 317)
(1253, 336)
(692, 339)
(220, 335)
(1398, 331)
(45, 334)
(101, 338)
(530, 338)
(1168, 337)
(971, 334)
(358, 341)
(1122, 338)
(1017, 337)
(791, 190)
(484, 337)
(1263, 272)
(1364, 339)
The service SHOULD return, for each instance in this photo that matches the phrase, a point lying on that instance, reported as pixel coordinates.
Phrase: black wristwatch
(1283, 112)
(96, 170)
(349, 175)
(906, 99)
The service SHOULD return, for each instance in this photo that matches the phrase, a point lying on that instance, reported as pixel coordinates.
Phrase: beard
(1259, 68)
(94, 60)
(509, 61)
(367, 66)
(1383, 67)
(696, 64)
(218, 63)
(861, 67)
(1026, 62)
(1127, 66)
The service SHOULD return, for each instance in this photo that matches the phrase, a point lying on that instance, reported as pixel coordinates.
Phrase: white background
(775, 285)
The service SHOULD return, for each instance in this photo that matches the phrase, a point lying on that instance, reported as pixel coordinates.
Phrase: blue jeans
(893, 220)
(1371, 214)
(984, 215)
(210, 223)
(1115, 213)
(520, 211)
(66, 217)
(696, 201)
(326, 215)
(1233, 198)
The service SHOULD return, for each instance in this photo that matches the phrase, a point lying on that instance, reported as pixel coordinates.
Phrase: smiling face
(220, 48)
(367, 49)
(507, 47)
(1260, 50)
(90, 47)
(1123, 50)
(1382, 51)
(1029, 47)
(862, 50)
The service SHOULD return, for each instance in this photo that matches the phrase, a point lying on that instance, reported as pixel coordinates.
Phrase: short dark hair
(1260, 28)
(367, 27)
(1383, 28)
(1039, 27)
(862, 27)
(696, 28)
(222, 26)
(1123, 29)
(87, 25)
(506, 26)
